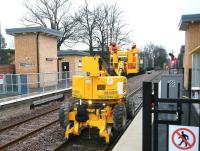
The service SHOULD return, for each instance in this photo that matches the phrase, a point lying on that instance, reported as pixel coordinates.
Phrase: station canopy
(188, 19)
(37, 29)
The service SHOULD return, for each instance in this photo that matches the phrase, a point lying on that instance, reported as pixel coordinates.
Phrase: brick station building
(35, 51)
(191, 25)
(71, 60)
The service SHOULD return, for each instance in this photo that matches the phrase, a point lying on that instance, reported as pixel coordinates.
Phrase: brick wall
(4, 69)
(192, 40)
(25, 53)
(48, 49)
(73, 64)
(26, 56)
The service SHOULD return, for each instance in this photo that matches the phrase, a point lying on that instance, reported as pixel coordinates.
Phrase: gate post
(155, 122)
(147, 117)
(190, 95)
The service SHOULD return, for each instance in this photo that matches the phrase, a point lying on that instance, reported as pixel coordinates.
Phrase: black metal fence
(155, 126)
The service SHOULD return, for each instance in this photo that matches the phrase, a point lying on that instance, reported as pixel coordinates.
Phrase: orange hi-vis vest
(113, 49)
(134, 50)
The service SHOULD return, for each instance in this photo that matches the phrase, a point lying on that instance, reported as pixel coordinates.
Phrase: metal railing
(34, 83)
(156, 136)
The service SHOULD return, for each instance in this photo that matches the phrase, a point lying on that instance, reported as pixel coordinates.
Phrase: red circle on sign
(189, 145)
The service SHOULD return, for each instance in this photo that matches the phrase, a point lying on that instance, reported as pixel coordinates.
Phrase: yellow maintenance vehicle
(124, 62)
(101, 101)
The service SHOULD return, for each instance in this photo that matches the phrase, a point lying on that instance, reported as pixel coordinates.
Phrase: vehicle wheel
(119, 117)
(130, 108)
(64, 114)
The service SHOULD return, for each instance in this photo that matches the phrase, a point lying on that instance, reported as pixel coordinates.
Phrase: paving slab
(132, 138)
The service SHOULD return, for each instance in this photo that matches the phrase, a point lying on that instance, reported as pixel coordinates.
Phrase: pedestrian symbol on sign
(183, 134)
(183, 138)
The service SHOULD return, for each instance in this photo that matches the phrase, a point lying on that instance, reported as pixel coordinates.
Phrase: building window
(196, 70)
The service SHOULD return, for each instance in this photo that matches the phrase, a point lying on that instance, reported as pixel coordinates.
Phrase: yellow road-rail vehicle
(101, 101)
(124, 62)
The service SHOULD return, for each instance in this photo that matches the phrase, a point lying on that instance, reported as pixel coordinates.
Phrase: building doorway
(65, 70)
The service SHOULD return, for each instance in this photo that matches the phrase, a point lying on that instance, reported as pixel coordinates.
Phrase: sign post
(1, 52)
(1, 78)
(183, 138)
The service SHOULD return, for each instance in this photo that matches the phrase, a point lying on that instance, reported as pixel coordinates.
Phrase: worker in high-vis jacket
(134, 49)
(113, 48)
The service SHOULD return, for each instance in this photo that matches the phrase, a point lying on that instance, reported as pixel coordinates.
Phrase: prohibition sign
(189, 144)
(1, 79)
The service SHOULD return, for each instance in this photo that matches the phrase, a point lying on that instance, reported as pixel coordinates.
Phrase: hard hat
(113, 43)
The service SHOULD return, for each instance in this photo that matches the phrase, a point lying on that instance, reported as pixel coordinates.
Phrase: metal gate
(187, 113)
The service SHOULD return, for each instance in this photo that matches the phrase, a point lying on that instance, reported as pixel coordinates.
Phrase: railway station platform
(21, 98)
(132, 138)
(17, 105)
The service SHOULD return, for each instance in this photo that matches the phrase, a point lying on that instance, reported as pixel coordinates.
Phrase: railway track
(12, 135)
(21, 130)
(72, 144)
(137, 109)
(28, 119)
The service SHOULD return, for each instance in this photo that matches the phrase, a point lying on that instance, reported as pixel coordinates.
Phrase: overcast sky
(153, 21)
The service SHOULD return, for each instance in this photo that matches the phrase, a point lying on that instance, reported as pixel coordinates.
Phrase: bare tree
(109, 26)
(2, 41)
(53, 14)
(117, 32)
(101, 15)
(87, 23)
(148, 52)
(156, 55)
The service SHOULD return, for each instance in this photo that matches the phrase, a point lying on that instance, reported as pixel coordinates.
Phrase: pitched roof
(40, 29)
(187, 19)
(71, 52)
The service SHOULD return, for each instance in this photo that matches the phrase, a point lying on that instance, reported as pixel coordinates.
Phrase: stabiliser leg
(98, 118)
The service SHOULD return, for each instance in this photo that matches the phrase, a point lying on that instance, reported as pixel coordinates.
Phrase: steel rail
(111, 144)
(26, 120)
(26, 135)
